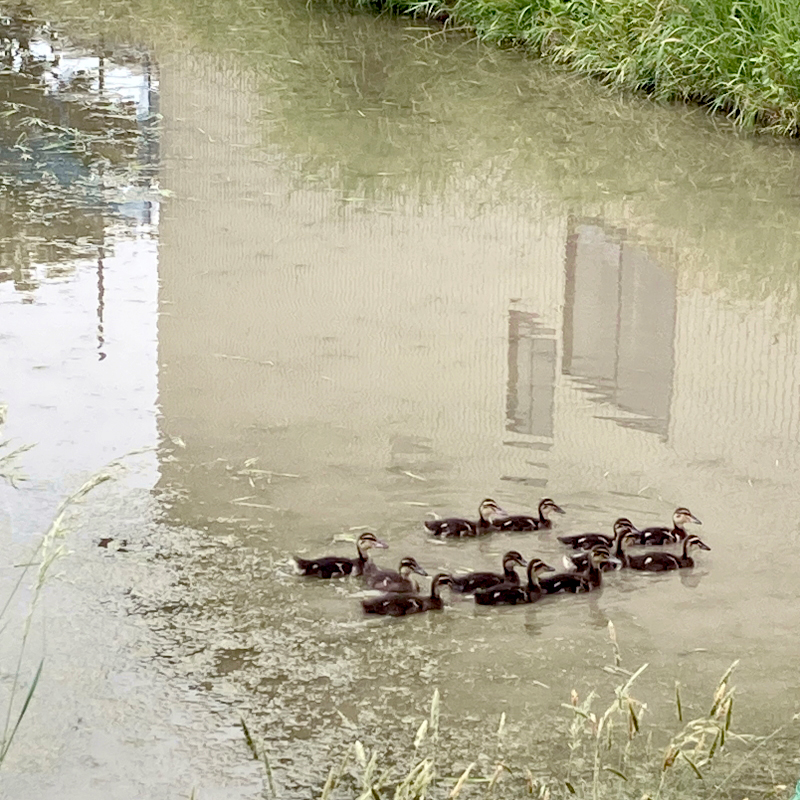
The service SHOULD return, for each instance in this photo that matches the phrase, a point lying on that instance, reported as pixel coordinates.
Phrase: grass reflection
(383, 110)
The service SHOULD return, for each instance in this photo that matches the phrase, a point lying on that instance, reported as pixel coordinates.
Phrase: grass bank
(739, 57)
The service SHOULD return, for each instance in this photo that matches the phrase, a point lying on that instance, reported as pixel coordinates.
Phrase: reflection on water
(371, 310)
(77, 142)
(531, 375)
(619, 324)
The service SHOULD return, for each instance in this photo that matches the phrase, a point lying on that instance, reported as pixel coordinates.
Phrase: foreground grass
(19, 688)
(740, 57)
(609, 749)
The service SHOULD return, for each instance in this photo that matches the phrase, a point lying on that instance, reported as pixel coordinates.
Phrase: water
(362, 273)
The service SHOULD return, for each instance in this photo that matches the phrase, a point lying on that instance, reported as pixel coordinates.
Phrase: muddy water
(362, 274)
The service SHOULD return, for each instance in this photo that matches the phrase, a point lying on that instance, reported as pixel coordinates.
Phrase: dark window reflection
(619, 324)
(531, 375)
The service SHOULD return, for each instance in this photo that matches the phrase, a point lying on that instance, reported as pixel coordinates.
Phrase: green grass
(740, 57)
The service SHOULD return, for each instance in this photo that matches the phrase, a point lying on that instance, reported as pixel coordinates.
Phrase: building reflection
(531, 375)
(619, 325)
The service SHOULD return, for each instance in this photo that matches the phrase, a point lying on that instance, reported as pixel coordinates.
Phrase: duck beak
(380, 544)
(557, 509)
(418, 569)
(693, 518)
(702, 545)
(548, 568)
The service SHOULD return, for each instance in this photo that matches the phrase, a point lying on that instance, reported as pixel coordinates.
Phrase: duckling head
(696, 541)
(513, 557)
(489, 510)
(410, 564)
(369, 540)
(624, 525)
(547, 505)
(682, 515)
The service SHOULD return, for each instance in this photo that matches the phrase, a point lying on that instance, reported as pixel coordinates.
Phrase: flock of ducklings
(597, 553)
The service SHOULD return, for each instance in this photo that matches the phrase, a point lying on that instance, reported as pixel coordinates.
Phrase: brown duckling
(400, 605)
(525, 522)
(387, 580)
(662, 562)
(661, 535)
(510, 594)
(483, 580)
(590, 578)
(488, 511)
(586, 541)
(336, 566)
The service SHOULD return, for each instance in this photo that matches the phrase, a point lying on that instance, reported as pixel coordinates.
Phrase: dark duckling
(586, 541)
(484, 580)
(488, 511)
(661, 535)
(511, 594)
(387, 580)
(622, 527)
(590, 578)
(337, 566)
(663, 562)
(525, 522)
(401, 605)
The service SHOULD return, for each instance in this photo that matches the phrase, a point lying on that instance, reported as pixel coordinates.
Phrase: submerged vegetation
(741, 58)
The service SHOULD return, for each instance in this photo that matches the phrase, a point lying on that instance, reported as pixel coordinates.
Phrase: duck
(401, 605)
(590, 578)
(663, 562)
(399, 582)
(525, 522)
(662, 535)
(511, 594)
(586, 541)
(488, 511)
(580, 562)
(465, 584)
(337, 566)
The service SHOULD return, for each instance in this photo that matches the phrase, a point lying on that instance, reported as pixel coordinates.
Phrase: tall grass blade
(28, 698)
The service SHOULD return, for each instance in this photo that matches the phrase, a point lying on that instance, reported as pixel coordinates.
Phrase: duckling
(336, 566)
(586, 541)
(590, 578)
(580, 562)
(484, 580)
(662, 562)
(400, 605)
(387, 580)
(510, 594)
(661, 535)
(488, 511)
(525, 522)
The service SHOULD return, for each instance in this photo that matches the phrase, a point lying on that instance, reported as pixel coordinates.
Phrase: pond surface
(334, 273)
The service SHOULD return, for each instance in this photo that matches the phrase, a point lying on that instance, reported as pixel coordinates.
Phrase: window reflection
(531, 375)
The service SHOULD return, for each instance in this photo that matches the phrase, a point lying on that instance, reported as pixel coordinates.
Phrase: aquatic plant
(610, 753)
